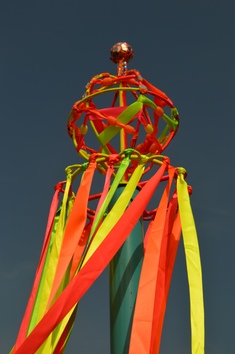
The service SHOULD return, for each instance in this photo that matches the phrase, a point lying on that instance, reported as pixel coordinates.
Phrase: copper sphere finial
(121, 53)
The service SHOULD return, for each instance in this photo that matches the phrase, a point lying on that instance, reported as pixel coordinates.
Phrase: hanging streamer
(193, 265)
(74, 228)
(172, 246)
(150, 284)
(51, 220)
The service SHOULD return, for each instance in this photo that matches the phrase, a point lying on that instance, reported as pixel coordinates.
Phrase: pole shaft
(124, 273)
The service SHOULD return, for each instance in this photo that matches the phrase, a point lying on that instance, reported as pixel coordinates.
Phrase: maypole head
(140, 115)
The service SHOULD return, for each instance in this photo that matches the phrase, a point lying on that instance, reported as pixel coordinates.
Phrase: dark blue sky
(49, 51)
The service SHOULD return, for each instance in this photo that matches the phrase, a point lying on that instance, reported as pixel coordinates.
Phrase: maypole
(122, 146)
(125, 267)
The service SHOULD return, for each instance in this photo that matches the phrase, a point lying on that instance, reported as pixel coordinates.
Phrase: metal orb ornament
(121, 51)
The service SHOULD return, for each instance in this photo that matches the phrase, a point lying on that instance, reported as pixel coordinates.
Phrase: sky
(49, 51)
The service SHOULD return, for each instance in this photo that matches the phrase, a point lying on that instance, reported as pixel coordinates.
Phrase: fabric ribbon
(151, 284)
(193, 265)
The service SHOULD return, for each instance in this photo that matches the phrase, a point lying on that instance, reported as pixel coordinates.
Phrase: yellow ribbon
(193, 264)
